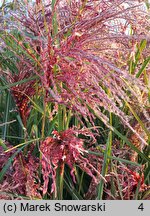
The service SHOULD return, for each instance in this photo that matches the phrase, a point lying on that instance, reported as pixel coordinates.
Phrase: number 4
(141, 207)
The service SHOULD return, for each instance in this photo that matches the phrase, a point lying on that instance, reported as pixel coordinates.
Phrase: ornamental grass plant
(74, 99)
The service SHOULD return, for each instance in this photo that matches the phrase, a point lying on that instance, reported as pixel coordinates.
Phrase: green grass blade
(23, 144)
(104, 170)
(8, 86)
(124, 138)
(8, 164)
(138, 119)
(144, 65)
(6, 117)
(115, 158)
